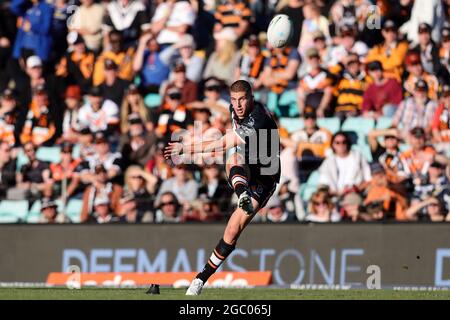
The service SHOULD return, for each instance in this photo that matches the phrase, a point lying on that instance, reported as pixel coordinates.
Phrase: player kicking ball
(252, 167)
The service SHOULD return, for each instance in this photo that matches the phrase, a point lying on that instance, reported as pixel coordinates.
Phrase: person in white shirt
(345, 169)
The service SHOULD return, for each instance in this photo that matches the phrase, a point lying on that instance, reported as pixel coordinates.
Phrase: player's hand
(173, 149)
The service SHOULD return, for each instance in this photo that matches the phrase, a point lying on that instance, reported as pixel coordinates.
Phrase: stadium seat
(364, 149)
(50, 154)
(313, 179)
(331, 124)
(288, 99)
(292, 124)
(13, 210)
(306, 191)
(22, 159)
(153, 100)
(362, 127)
(73, 210)
(76, 151)
(384, 123)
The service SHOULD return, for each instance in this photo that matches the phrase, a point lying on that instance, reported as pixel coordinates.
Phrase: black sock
(220, 253)
(239, 179)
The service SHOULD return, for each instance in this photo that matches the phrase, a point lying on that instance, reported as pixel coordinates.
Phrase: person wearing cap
(73, 102)
(251, 63)
(380, 193)
(233, 14)
(415, 111)
(321, 208)
(113, 87)
(100, 190)
(49, 213)
(187, 87)
(347, 44)
(137, 145)
(416, 72)
(77, 65)
(87, 21)
(315, 88)
(9, 116)
(314, 21)
(212, 99)
(276, 213)
(148, 63)
(350, 88)
(99, 114)
(133, 102)
(428, 50)
(172, 116)
(117, 52)
(102, 212)
(387, 150)
(183, 52)
(391, 53)
(171, 20)
(416, 160)
(85, 142)
(440, 125)
(65, 174)
(444, 49)
(383, 95)
(39, 126)
(34, 27)
(224, 60)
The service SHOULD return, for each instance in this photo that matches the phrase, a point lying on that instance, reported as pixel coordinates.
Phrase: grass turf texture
(216, 294)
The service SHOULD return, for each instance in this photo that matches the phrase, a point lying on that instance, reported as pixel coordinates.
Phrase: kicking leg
(239, 176)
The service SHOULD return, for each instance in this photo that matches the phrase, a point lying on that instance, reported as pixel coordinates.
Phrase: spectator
(441, 122)
(444, 50)
(99, 114)
(39, 125)
(349, 13)
(416, 73)
(73, 103)
(33, 180)
(87, 21)
(77, 66)
(113, 88)
(314, 21)
(415, 111)
(225, 58)
(294, 10)
(276, 213)
(172, 116)
(85, 143)
(127, 16)
(187, 87)
(347, 45)
(431, 209)
(386, 152)
(7, 168)
(117, 52)
(101, 212)
(380, 194)
(350, 88)
(215, 187)
(383, 96)
(183, 186)
(142, 185)
(320, 45)
(134, 103)
(251, 63)
(432, 183)
(183, 52)
(64, 176)
(428, 50)
(137, 145)
(150, 66)
(129, 211)
(345, 169)
(233, 14)
(49, 213)
(391, 53)
(169, 209)
(9, 115)
(212, 100)
(290, 200)
(101, 192)
(321, 208)
(34, 33)
(315, 88)
(171, 20)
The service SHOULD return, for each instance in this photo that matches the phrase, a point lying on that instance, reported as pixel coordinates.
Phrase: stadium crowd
(92, 91)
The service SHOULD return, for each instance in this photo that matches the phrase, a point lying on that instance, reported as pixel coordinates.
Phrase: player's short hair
(241, 86)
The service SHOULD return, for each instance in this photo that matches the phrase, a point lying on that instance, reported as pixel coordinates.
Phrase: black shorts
(262, 187)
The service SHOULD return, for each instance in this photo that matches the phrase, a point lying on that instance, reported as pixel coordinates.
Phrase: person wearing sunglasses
(344, 169)
(321, 208)
(169, 209)
(212, 98)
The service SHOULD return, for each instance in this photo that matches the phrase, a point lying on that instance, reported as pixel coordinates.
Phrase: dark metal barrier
(348, 254)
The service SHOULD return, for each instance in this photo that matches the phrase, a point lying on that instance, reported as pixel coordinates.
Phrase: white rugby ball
(279, 31)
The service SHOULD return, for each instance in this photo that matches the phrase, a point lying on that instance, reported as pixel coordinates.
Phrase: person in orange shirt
(391, 53)
(441, 122)
(416, 72)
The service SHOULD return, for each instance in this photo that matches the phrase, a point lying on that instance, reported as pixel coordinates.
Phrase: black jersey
(260, 134)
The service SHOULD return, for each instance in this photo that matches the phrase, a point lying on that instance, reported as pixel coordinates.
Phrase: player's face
(241, 103)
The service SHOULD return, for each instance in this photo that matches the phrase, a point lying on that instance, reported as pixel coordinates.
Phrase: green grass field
(217, 294)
